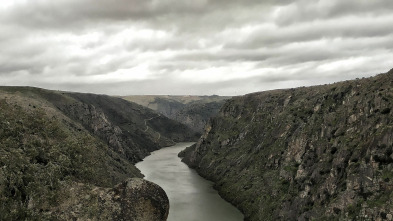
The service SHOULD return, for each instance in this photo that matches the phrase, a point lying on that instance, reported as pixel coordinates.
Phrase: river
(191, 197)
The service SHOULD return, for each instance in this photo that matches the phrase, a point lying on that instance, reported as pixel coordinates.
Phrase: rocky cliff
(61, 155)
(133, 199)
(193, 111)
(315, 153)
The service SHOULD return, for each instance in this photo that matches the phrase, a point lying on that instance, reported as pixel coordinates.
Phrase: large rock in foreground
(132, 200)
(141, 200)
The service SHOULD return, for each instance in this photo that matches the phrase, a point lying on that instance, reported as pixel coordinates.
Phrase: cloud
(351, 27)
(224, 47)
(306, 10)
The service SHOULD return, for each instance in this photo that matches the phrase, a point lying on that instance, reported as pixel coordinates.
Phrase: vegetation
(193, 111)
(38, 157)
(305, 152)
(59, 151)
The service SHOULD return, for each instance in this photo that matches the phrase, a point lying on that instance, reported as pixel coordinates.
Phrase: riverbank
(191, 197)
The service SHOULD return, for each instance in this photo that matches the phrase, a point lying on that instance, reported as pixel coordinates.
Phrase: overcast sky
(201, 47)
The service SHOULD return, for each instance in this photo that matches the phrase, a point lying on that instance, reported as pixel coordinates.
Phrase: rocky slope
(193, 111)
(132, 199)
(66, 152)
(316, 153)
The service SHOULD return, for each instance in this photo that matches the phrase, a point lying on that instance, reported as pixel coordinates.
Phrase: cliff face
(196, 115)
(132, 130)
(321, 152)
(64, 151)
(193, 111)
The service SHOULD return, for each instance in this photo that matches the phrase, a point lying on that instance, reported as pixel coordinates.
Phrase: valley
(191, 197)
(310, 153)
(321, 152)
(69, 155)
(207, 110)
(192, 111)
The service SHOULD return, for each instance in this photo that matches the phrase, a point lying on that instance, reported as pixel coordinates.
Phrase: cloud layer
(226, 47)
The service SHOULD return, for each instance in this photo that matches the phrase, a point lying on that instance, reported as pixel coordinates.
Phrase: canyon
(310, 153)
(192, 111)
(70, 156)
(322, 152)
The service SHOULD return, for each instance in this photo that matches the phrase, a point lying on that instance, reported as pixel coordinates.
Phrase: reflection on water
(191, 197)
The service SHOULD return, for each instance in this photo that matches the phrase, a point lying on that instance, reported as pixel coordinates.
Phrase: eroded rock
(141, 200)
(132, 200)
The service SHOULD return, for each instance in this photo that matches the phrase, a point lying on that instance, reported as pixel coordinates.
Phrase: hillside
(193, 111)
(62, 154)
(322, 153)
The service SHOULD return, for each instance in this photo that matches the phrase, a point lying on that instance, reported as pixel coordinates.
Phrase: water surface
(191, 197)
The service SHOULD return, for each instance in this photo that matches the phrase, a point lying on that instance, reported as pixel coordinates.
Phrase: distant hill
(309, 153)
(61, 153)
(193, 111)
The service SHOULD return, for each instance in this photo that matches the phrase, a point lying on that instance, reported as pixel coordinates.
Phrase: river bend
(191, 197)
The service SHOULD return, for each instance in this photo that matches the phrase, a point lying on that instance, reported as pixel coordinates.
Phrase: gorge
(191, 197)
(323, 152)
(67, 156)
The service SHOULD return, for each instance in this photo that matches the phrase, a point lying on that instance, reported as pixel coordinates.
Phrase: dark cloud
(308, 10)
(192, 47)
(279, 56)
(359, 6)
(268, 36)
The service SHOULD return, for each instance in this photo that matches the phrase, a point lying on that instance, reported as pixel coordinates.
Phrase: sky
(198, 47)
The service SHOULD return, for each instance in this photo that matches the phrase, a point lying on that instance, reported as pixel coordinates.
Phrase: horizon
(200, 95)
(204, 47)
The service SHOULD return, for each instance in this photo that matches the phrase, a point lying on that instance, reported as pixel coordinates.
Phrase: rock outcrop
(322, 153)
(134, 199)
(141, 200)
